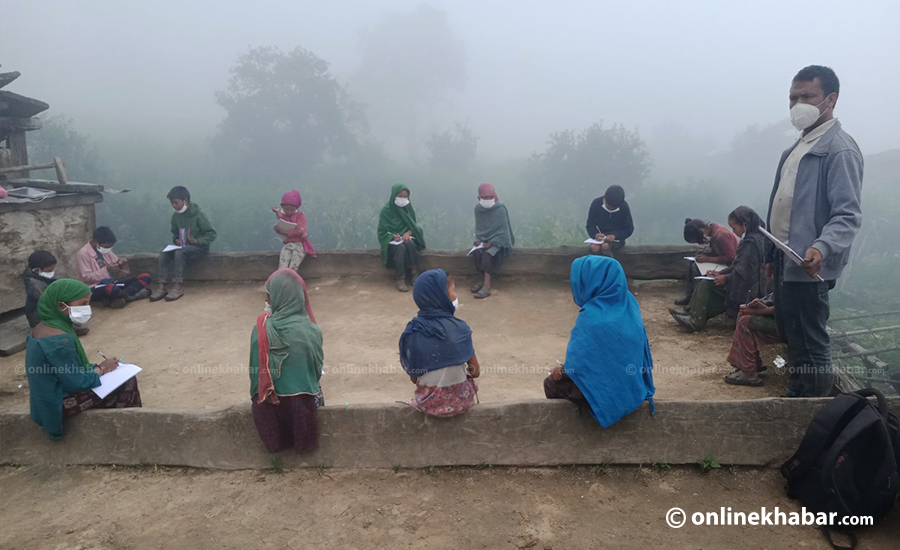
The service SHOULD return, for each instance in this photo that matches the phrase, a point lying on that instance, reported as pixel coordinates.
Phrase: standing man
(814, 209)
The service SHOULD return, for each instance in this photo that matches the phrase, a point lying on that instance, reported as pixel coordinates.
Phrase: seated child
(608, 367)
(41, 271)
(436, 349)
(721, 249)
(609, 217)
(735, 285)
(192, 232)
(494, 234)
(107, 274)
(755, 327)
(296, 241)
(401, 237)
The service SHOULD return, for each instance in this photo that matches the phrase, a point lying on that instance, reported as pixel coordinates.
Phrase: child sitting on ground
(192, 234)
(295, 239)
(107, 274)
(41, 271)
(609, 220)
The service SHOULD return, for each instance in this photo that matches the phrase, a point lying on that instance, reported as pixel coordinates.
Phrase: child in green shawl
(60, 376)
(400, 237)
(494, 238)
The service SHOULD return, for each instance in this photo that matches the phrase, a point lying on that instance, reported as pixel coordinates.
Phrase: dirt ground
(194, 351)
(518, 509)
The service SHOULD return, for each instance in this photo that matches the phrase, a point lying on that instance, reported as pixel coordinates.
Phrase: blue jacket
(825, 211)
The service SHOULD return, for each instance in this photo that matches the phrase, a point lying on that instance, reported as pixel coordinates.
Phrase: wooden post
(18, 153)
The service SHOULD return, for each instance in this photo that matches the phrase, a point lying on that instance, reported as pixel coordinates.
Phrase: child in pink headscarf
(291, 228)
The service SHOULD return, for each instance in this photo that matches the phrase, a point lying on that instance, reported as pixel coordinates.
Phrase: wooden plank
(21, 106)
(6, 78)
(18, 153)
(50, 185)
(10, 124)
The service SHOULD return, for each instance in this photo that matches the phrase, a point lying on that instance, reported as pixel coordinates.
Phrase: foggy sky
(705, 69)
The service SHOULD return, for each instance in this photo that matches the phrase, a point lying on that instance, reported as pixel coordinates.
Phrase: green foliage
(584, 165)
(276, 466)
(452, 150)
(600, 469)
(286, 113)
(661, 467)
(708, 463)
(59, 138)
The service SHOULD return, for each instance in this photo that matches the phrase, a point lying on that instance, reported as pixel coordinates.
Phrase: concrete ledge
(762, 432)
(639, 262)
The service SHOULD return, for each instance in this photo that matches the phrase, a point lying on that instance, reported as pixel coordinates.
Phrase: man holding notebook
(815, 210)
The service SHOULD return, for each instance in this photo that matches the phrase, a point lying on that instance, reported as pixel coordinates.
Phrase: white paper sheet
(595, 241)
(395, 243)
(474, 248)
(690, 258)
(171, 247)
(110, 381)
(704, 278)
(709, 266)
(788, 251)
(285, 225)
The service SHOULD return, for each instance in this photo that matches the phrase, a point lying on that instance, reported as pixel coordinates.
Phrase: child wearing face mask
(107, 274)
(720, 248)
(494, 236)
(192, 233)
(401, 237)
(60, 376)
(436, 350)
(738, 284)
(296, 239)
(609, 220)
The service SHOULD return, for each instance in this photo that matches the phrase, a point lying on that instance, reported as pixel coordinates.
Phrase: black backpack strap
(827, 532)
(822, 432)
(882, 402)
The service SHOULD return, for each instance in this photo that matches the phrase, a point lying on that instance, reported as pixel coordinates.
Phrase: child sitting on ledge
(191, 234)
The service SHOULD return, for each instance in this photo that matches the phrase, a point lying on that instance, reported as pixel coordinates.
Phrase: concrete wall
(639, 262)
(762, 432)
(59, 224)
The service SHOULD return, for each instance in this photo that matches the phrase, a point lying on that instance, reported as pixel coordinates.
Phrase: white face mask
(487, 203)
(183, 209)
(456, 303)
(401, 201)
(47, 274)
(268, 308)
(79, 314)
(804, 115)
(102, 250)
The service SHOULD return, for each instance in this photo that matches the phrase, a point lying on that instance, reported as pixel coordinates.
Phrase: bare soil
(194, 351)
(518, 509)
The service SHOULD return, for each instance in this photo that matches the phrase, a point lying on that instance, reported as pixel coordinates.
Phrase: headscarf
(435, 338)
(608, 356)
(63, 290)
(290, 328)
(492, 224)
(395, 220)
(487, 190)
(292, 197)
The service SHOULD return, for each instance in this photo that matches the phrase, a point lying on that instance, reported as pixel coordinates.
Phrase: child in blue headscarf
(608, 362)
(436, 349)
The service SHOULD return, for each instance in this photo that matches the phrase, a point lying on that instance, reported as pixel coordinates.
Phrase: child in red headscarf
(291, 227)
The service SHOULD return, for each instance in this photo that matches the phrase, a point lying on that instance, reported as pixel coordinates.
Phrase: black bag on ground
(848, 460)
